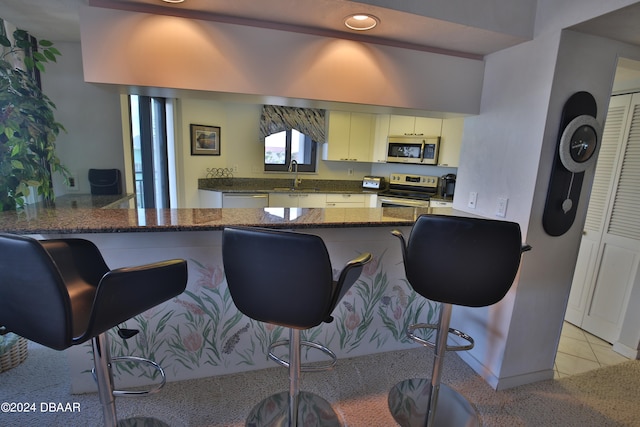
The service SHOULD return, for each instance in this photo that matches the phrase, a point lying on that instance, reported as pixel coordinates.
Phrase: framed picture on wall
(205, 140)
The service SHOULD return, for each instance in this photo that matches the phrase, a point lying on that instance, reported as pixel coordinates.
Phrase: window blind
(310, 121)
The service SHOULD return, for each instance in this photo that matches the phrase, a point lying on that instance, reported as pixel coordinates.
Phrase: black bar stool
(454, 261)
(285, 278)
(60, 293)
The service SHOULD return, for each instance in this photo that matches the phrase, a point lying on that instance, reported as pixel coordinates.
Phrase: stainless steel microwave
(422, 150)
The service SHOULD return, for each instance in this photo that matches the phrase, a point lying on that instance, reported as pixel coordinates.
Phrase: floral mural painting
(210, 321)
(358, 306)
(398, 310)
(148, 342)
(202, 333)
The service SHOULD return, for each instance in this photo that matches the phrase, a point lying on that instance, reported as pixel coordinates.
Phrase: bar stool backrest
(462, 261)
(34, 302)
(279, 277)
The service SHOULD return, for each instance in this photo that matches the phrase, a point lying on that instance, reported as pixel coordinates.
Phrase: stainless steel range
(408, 190)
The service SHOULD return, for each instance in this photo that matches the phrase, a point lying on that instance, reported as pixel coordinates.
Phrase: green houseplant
(28, 129)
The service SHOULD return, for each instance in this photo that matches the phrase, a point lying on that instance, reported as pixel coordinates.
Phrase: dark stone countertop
(65, 220)
(277, 185)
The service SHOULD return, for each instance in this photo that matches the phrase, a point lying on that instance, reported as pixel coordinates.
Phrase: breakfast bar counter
(200, 333)
(73, 220)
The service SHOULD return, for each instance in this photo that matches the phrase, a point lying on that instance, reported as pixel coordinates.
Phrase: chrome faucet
(293, 167)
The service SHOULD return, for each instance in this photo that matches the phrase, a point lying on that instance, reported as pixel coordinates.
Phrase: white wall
(500, 158)
(137, 49)
(91, 115)
(524, 92)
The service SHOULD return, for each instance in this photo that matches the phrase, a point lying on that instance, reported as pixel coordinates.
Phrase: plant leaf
(54, 51)
(28, 61)
(39, 56)
(50, 56)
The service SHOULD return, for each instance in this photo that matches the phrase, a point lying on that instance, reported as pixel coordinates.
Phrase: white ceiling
(57, 20)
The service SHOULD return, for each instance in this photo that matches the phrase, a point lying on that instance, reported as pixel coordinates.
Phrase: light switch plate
(501, 208)
(473, 198)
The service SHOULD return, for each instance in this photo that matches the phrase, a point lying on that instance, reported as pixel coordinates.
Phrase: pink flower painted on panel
(191, 307)
(210, 277)
(397, 312)
(192, 342)
(403, 299)
(371, 267)
(352, 320)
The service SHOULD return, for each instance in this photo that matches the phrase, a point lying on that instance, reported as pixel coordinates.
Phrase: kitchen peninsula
(200, 333)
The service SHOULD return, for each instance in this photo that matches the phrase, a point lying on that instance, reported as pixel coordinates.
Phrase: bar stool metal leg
(294, 376)
(420, 402)
(104, 378)
(293, 408)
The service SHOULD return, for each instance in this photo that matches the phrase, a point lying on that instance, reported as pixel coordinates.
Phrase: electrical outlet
(473, 198)
(350, 172)
(501, 209)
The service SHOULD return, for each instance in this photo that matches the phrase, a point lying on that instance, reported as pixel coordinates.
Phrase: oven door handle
(404, 202)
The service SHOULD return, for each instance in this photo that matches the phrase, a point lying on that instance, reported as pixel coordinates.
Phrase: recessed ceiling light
(361, 21)
(173, 1)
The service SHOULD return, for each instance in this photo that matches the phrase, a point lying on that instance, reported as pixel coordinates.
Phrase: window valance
(309, 121)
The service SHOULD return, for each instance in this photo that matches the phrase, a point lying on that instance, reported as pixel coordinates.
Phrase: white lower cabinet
(346, 200)
(297, 200)
(210, 199)
(245, 200)
(321, 200)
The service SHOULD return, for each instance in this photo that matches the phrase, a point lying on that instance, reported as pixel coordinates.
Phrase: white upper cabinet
(361, 137)
(451, 142)
(419, 126)
(349, 136)
(379, 154)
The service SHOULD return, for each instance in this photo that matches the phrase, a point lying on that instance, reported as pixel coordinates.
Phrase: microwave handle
(422, 151)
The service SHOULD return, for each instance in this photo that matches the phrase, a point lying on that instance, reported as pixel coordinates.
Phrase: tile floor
(580, 351)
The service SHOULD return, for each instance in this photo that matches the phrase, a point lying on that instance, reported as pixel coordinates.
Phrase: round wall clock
(578, 143)
(576, 152)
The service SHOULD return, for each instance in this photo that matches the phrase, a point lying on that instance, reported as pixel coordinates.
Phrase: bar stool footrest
(315, 367)
(136, 359)
(435, 326)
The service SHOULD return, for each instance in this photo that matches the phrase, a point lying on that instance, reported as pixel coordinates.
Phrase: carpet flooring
(357, 388)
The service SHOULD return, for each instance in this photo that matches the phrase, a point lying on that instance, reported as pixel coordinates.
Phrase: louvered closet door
(601, 196)
(619, 250)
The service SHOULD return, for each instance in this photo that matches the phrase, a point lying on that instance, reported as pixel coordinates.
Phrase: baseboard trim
(504, 383)
(628, 352)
